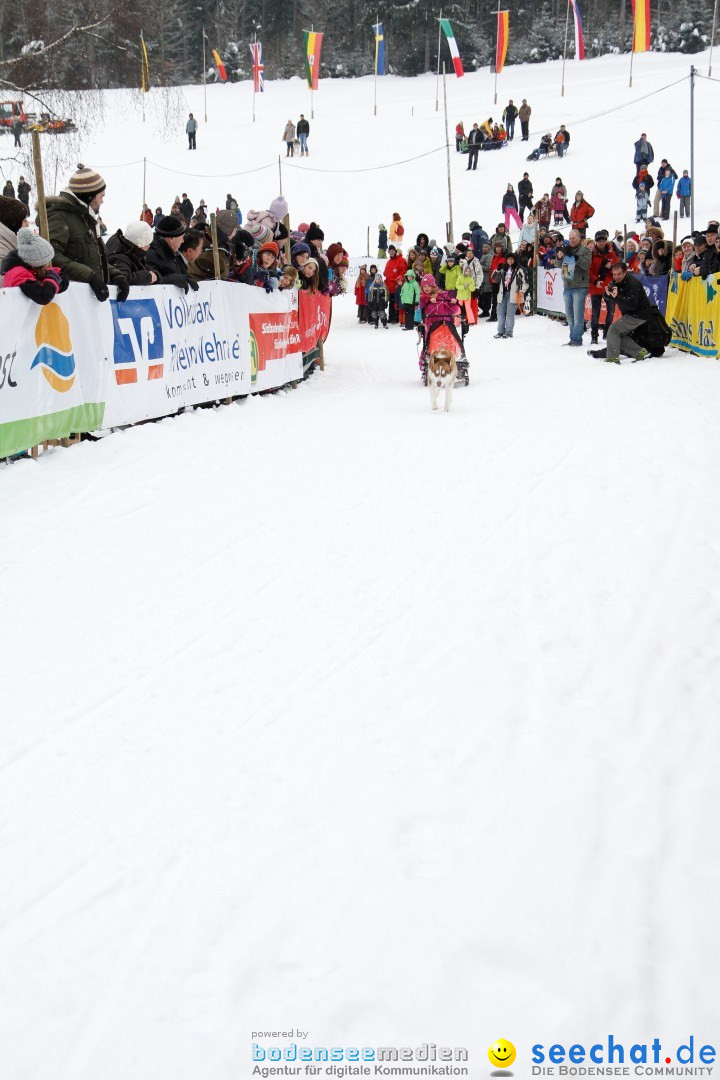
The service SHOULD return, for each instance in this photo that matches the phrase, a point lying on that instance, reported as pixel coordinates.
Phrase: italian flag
(452, 43)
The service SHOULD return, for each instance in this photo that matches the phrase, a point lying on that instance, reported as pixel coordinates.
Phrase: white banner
(550, 291)
(53, 364)
(79, 365)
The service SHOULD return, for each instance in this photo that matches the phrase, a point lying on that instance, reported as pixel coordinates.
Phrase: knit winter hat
(85, 182)
(314, 232)
(33, 250)
(333, 251)
(226, 220)
(259, 233)
(271, 246)
(170, 226)
(428, 279)
(138, 233)
(300, 249)
(12, 213)
(279, 207)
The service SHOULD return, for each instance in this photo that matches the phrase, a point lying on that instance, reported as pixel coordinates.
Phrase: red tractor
(12, 111)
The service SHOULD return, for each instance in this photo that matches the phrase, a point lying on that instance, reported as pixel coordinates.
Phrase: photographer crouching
(630, 296)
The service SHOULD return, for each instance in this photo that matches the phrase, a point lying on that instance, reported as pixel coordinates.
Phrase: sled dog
(442, 373)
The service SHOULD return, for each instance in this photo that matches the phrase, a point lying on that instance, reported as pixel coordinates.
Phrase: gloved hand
(51, 275)
(686, 275)
(98, 286)
(193, 284)
(177, 279)
(123, 288)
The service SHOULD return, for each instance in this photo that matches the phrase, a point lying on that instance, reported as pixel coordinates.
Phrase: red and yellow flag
(503, 32)
(641, 25)
(220, 66)
(313, 45)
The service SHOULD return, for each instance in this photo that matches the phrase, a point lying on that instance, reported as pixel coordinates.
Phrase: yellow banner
(693, 314)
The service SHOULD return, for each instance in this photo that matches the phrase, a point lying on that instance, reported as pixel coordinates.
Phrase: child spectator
(409, 296)
(30, 269)
(361, 294)
(266, 275)
(378, 298)
(289, 279)
(310, 276)
(642, 201)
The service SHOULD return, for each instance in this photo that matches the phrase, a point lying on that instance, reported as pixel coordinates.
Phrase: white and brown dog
(442, 373)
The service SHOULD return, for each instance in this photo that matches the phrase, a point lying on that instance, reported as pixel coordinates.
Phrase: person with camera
(574, 259)
(630, 296)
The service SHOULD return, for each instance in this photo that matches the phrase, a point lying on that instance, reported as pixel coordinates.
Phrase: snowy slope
(346, 137)
(323, 711)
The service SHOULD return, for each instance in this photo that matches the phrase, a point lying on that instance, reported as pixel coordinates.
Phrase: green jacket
(464, 283)
(450, 274)
(410, 291)
(79, 251)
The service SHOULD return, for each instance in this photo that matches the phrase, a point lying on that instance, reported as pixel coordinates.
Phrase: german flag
(641, 25)
(503, 32)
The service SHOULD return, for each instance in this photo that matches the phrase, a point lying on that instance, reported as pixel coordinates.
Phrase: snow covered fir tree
(109, 56)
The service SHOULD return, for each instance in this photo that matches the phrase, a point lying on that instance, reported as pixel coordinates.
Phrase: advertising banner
(53, 362)
(550, 291)
(273, 331)
(693, 314)
(171, 350)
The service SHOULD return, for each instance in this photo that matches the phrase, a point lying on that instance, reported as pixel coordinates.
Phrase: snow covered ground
(346, 182)
(323, 711)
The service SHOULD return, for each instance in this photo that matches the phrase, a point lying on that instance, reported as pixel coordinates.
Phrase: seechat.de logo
(138, 340)
(54, 356)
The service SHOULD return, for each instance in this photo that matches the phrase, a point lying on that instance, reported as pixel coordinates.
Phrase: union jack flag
(258, 69)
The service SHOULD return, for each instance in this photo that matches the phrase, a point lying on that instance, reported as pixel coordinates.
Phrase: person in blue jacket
(644, 152)
(684, 193)
(666, 187)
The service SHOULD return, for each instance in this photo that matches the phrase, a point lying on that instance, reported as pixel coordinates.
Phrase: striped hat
(86, 182)
(259, 233)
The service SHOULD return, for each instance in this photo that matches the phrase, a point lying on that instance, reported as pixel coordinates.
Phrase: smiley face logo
(502, 1054)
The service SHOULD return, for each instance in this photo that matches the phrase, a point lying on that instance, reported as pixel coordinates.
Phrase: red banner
(313, 322)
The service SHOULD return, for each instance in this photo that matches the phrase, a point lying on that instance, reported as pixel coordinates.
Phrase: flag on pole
(641, 25)
(503, 32)
(220, 66)
(379, 49)
(579, 38)
(313, 46)
(145, 66)
(452, 44)
(258, 67)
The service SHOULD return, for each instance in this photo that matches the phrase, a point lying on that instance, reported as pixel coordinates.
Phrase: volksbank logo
(138, 340)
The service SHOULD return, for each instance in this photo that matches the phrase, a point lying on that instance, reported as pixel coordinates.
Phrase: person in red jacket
(361, 293)
(580, 212)
(30, 269)
(603, 257)
(395, 269)
(496, 269)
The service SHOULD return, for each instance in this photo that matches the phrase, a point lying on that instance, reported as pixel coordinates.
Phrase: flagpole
(204, 77)
(447, 152)
(712, 36)
(567, 20)
(437, 80)
(377, 24)
(497, 38)
(632, 55)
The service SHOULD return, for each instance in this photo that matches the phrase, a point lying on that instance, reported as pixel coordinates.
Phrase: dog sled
(442, 333)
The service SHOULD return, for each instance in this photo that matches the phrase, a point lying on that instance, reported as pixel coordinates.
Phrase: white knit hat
(33, 250)
(138, 233)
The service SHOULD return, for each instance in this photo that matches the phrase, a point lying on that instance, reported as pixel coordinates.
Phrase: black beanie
(314, 233)
(12, 213)
(170, 226)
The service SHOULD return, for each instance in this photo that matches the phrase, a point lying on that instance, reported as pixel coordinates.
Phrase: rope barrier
(369, 168)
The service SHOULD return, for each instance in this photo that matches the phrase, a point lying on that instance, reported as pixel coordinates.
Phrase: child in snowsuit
(642, 201)
(558, 208)
(30, 269)
(409, 296)
(378, 299)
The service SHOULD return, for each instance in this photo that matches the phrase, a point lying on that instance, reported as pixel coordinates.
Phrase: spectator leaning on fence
(12, 215)
(72, 222)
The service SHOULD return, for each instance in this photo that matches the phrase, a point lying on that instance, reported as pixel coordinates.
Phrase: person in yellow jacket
(449, 273)
(465, 286)
(397, 229)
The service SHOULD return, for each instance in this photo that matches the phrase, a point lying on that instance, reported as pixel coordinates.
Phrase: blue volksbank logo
(138, 340)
